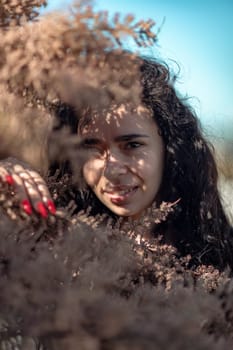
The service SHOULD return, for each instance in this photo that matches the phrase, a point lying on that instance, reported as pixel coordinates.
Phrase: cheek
(157, 169)
(92, 171)
(152, 170)
(150, 164)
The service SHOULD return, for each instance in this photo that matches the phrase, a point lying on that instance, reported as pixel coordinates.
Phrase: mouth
(120, 195)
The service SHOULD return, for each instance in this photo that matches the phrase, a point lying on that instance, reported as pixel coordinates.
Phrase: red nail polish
(27, 206)
(42, 210)
(51, 207)
(9, 179)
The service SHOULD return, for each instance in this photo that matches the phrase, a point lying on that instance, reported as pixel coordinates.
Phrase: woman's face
(125, 160)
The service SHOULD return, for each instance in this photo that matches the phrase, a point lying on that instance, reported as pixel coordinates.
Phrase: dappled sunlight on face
(125, 160)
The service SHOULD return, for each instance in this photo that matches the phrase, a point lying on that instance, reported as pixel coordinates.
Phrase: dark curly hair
(198, 226)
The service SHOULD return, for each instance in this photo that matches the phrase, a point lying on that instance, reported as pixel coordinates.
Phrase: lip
(120, 194)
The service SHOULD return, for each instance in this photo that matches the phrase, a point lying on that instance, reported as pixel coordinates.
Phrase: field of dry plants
(72, 282)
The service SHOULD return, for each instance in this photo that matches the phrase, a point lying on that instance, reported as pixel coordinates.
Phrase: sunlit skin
(126, 159)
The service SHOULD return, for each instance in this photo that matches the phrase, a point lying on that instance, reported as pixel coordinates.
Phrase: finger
(43, 190)
(41, 185)
(22, 194)
(6, 177)
(37, 191)
(27, 192)
(26, 186)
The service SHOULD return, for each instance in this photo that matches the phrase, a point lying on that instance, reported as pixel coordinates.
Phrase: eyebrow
(129, 137)
(95, 141)
(90, 141)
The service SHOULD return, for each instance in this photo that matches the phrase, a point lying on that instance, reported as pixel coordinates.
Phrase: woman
(141, 155)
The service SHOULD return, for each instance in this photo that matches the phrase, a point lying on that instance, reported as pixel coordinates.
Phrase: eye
(92, 146)
(96, 149)
(133, 145)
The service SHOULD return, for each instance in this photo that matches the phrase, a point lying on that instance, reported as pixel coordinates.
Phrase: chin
(125, 213)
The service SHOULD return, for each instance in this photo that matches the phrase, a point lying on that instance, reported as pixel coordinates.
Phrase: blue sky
(198, 35)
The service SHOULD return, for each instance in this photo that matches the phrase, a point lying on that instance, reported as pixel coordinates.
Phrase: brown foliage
(96, 289)
(73, 281)
(12, 12)
(68, 58)
(24, 131)
(82, 50)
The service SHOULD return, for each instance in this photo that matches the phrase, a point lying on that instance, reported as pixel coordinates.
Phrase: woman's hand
(28, 186)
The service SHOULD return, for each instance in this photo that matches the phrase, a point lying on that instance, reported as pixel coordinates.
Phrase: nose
(115, 165)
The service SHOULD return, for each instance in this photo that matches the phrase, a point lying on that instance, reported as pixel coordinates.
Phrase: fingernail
(51, 207)
(27, 206)
(9, 179)
(42, 210)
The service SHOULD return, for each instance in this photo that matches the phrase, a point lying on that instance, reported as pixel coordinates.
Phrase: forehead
(119, 119)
